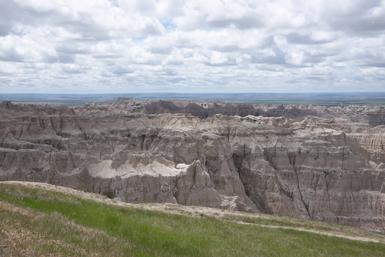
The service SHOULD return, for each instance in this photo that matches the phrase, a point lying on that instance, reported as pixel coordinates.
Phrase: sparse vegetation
(71, 226)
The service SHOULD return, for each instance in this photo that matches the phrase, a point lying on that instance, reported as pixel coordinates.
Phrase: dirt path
(188, 210)
(319, 232)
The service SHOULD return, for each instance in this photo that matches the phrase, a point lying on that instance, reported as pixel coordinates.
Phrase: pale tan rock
(315, 162)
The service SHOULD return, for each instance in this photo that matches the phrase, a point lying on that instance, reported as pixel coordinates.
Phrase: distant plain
(330, 99)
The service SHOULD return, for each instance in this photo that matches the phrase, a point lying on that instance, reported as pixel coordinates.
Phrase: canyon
(316, 162)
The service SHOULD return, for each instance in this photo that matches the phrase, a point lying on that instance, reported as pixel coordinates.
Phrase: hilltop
(45, 220)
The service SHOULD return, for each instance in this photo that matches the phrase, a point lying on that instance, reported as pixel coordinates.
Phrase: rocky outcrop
(315, 162)
(204, 110)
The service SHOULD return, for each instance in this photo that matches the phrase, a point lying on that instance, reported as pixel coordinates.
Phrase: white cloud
(191, 45)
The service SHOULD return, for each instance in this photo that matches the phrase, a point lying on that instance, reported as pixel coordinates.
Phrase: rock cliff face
(324, 163)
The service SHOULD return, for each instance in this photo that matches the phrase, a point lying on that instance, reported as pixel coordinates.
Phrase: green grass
(307, 224)
(151, 233)
(52, 235)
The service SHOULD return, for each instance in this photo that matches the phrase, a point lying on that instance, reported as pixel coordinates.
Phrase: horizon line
(185, 93)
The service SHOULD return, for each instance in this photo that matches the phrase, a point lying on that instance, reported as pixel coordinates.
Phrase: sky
(128, 46)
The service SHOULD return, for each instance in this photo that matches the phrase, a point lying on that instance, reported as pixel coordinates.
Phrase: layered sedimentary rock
(324, 163)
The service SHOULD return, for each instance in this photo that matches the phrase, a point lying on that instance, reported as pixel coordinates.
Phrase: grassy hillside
(36, 222)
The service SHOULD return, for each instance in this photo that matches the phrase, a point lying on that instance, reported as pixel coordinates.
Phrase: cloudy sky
(95, 46)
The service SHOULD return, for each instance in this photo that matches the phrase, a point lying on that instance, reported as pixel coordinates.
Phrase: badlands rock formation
(324, 163)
